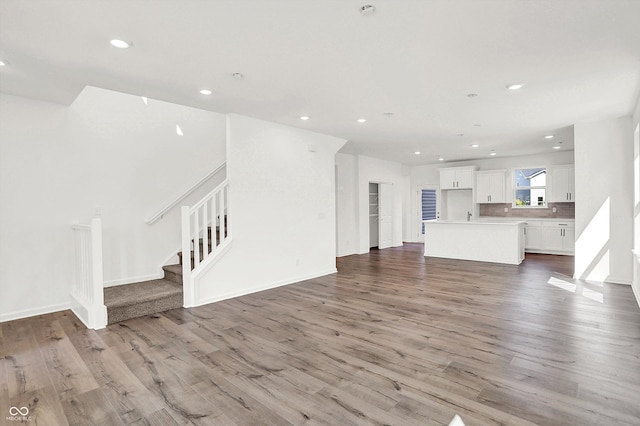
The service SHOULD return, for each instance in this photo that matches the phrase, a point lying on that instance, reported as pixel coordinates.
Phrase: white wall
(604, 200)
(430, 175)
(360, 171)
(636, 207)
(107, 153)
(347, 231)
(35, 251)
(282, 209)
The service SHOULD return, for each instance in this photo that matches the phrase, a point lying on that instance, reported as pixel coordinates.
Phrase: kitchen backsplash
(563, 211)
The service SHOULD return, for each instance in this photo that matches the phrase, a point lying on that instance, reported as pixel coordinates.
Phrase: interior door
(385, 215)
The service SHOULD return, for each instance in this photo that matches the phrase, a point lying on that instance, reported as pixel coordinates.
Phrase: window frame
(516, 188)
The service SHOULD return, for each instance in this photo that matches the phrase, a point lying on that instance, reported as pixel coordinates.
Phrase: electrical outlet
(506, 209)
(553, 210)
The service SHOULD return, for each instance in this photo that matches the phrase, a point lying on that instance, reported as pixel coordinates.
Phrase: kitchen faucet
(469, 216)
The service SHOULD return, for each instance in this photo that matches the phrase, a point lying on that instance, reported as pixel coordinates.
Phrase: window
(530, 187)
(428, 205)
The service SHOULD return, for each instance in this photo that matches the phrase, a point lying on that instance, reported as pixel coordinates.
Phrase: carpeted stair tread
(140, 299)
(176, 269)
(173, 273)
(124, 295)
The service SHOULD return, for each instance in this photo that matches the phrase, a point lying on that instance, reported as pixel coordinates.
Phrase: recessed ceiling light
(515, 86)
(120, 44)
(305, 117)
(492, 153)
(556, 147)
(3, 63)
(440, 159)
(549, 137)
(206, 91)
(417, 153)
(362, 120)
(475, 145)
(179, 130)
(145, 100)
(238, 75)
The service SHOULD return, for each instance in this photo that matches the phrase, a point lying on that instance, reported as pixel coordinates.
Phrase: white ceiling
(579, 60)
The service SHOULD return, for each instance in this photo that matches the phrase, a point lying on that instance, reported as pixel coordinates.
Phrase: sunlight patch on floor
(562, 284)
(594, 295)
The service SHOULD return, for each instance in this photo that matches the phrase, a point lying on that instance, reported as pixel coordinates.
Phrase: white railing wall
(209, 213)
(87, 291)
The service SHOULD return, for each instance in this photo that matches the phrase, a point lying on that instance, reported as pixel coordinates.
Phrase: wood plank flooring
(393, 338)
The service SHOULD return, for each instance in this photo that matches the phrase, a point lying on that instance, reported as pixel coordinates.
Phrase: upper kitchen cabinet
(562, 183)
(457, 177)
(490, 186)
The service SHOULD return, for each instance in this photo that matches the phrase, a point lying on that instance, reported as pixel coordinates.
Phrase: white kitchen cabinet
(558, 237)
(550, 236)
(457, 178)
(490, 186)
(569, 242)
(562, 184)
(533, 236)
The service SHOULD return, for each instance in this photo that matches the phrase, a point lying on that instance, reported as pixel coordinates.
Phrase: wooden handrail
(150, 220)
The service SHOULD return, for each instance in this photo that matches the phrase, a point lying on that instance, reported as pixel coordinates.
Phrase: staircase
(205, 234)
(149, 297)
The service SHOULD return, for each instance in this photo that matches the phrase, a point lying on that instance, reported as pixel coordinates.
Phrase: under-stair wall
(282, 209)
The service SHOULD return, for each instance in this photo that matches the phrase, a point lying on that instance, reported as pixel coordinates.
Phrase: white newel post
(187, 285)
(97, 315)
(87, 291)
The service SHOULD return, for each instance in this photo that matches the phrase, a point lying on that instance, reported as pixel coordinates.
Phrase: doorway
(380, 215)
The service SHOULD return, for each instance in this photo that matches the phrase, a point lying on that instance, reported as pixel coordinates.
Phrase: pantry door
(385, 212)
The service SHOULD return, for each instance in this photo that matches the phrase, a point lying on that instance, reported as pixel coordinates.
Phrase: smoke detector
(367, 9)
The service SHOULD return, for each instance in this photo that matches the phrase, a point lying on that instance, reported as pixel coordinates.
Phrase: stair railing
(205, 234)
(182, 195)
(87, 291)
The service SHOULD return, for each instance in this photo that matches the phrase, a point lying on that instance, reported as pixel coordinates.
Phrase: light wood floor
(393, 338)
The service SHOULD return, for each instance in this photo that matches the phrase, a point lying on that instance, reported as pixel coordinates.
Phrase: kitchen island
(498, 242)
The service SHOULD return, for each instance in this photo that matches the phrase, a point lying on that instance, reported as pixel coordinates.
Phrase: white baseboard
(614, 280)
(35, 311)
(132, 280)
(262, 287)
(636, 293)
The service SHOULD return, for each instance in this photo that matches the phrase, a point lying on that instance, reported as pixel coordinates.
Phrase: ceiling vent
(367, 9)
